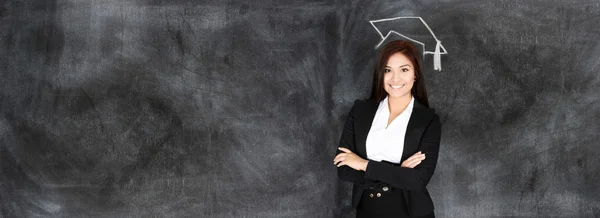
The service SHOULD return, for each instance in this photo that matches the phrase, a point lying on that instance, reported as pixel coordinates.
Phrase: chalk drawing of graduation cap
(414, 29)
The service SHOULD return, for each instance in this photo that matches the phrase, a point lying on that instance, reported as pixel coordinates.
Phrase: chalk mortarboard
(414, 29)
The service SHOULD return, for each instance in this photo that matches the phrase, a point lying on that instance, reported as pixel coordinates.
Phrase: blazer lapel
(417, 123)
(364, 120)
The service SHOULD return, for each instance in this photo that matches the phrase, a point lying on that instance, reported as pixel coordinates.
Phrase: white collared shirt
(388, 143)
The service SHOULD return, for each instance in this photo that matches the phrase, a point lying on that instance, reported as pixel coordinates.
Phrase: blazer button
(378, 194)
(371, 195)
(385, 188)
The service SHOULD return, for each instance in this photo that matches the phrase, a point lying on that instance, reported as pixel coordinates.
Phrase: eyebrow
(406, 65)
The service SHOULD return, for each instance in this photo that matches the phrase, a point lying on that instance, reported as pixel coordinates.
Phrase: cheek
(386, 78)
(410, 79)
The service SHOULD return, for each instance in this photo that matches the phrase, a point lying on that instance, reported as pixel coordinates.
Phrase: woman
(390, 142)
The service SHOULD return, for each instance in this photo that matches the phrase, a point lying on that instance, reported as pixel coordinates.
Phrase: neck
(399, 103)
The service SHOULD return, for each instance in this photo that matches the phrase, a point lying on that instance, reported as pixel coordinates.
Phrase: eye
(387, 70)
(405, 70)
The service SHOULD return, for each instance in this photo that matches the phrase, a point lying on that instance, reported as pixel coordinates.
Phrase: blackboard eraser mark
(416, 37)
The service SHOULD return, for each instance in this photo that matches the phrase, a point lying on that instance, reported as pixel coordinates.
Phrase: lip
(398, 86)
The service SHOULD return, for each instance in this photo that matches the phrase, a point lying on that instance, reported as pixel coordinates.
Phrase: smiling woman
(390, 143)
(399, 76)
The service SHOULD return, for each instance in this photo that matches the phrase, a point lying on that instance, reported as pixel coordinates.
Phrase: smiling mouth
(397, 87)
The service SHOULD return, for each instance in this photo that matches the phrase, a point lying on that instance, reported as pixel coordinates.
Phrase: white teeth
(397, 87)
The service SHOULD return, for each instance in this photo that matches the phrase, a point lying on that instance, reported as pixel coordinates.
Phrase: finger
(410, 163)
(417, 154)
(414, 157)
(341, 164)
(340, 155)
(420, 157)
(339, 159)
(407, 163)
(416, 164)
(345, 150)
(413, 162)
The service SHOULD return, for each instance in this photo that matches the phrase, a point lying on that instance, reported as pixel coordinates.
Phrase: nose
(396, 76)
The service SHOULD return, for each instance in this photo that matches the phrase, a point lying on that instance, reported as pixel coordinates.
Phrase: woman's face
(399, 75)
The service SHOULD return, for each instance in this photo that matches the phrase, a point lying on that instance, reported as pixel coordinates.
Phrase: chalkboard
(235, 109)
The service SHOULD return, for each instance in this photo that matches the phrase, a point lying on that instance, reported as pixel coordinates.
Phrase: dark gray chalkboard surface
(234, 108)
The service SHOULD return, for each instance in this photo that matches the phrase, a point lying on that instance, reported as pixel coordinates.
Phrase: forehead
(398, 59)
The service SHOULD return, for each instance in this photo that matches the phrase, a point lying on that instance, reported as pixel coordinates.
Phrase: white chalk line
(437, 62)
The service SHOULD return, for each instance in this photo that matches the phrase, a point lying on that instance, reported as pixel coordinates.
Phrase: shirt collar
(409, 108)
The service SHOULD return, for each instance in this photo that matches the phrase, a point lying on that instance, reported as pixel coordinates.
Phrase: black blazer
(422, 134)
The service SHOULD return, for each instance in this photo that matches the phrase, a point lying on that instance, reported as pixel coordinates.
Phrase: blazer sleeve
(411, 178)
(347, 140)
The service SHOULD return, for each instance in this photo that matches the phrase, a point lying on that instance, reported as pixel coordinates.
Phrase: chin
(395, 95)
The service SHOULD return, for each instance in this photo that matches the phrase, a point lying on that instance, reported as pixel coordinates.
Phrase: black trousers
(383, 202)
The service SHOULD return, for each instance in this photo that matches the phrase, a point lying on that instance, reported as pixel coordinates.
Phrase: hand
(350, 159)
(413, 160)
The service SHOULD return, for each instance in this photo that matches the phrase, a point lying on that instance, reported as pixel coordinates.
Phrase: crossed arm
(413, 174)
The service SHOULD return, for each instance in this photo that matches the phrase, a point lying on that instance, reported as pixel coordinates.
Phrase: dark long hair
(410, 51)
